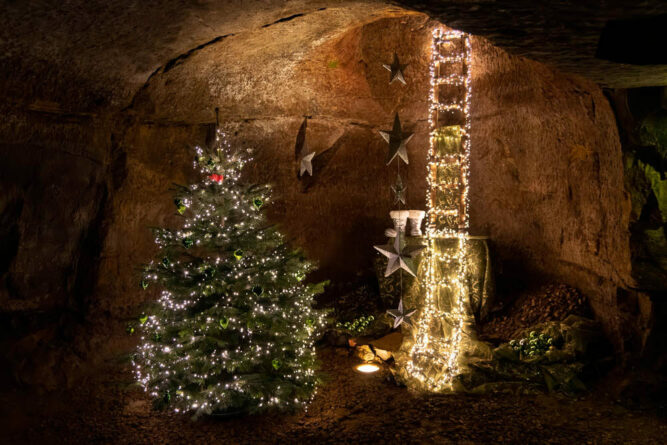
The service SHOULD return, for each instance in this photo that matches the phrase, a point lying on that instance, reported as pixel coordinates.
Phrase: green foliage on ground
(534, 345)
(357, 326)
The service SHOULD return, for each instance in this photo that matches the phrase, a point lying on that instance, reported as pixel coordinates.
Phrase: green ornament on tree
(300, 276)
(180, 207)
(129, 329)
(187, 242)
(238, 254)
(144, 284)
(276, 364)
(310, 322)
(143, 319)
(258, 203)
(224, 322)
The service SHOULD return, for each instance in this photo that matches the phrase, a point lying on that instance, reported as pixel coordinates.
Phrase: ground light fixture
(367, 368)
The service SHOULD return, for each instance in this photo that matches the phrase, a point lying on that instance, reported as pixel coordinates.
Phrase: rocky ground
(350, 408)
(553, 302)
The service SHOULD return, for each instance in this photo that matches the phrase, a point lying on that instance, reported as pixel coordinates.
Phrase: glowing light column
(435, 355)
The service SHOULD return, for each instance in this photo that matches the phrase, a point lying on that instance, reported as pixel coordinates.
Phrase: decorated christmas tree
(234, 326)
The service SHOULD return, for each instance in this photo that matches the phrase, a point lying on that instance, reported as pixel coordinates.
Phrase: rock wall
(340, 84)
(546, 166)
(546, 179)
(85, 188)
(55, 182)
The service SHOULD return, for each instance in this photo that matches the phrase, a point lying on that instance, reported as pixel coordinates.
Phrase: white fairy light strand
(448, 221)
(221, 384)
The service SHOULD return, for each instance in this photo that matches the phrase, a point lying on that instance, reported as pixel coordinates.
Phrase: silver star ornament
(396, 70)
(399, 191)
(397, 141)
(400, 257)
(306, 161)
(401, 315)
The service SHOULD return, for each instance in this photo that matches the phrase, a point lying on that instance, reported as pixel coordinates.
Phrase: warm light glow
(174, 360)
(367, 368)
(434, 360)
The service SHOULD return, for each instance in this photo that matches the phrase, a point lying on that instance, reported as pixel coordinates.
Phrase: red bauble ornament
(217, 178)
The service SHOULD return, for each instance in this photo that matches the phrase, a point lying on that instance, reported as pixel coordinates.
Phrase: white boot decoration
(400, 219)
(416, 217)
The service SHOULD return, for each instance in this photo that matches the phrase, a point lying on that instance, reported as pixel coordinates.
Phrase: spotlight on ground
(367, 368)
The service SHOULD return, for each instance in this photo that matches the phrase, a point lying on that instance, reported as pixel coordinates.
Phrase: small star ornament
(401, 315)
(400, 257)
(399, 191)
(306, 161)
(396, 70)
(397, 141)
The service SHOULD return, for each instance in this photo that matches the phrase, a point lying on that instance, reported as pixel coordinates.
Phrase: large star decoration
(396, 70)
(306, 161)
(397, 141)
(399, 191)
(401, 315)
(399, 257)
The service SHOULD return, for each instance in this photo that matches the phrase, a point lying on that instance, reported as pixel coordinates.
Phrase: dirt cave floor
(350, 408)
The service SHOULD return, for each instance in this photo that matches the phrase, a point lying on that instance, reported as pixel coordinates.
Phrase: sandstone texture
(565, 34)
(546, 178)
(103, 102)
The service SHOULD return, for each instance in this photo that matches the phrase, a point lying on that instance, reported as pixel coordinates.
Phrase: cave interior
(103, 103)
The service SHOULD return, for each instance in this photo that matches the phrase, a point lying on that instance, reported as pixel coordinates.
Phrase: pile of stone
(553, 302)
(378, 349)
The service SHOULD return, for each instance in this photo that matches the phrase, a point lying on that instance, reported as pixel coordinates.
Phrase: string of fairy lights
(175, 360)
(448, 167)
(170, 361)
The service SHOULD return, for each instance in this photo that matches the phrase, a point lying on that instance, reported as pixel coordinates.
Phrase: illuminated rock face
(546, 175)
(98, 121)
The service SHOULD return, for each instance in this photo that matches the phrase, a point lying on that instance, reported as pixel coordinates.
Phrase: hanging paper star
(306, 161)
(399, 257)
(399, 190)
(397, 141)
(401, 315)
(396, 70)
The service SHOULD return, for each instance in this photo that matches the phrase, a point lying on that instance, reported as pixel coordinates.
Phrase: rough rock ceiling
(563, 33)
(84, 54)
(114, 47)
